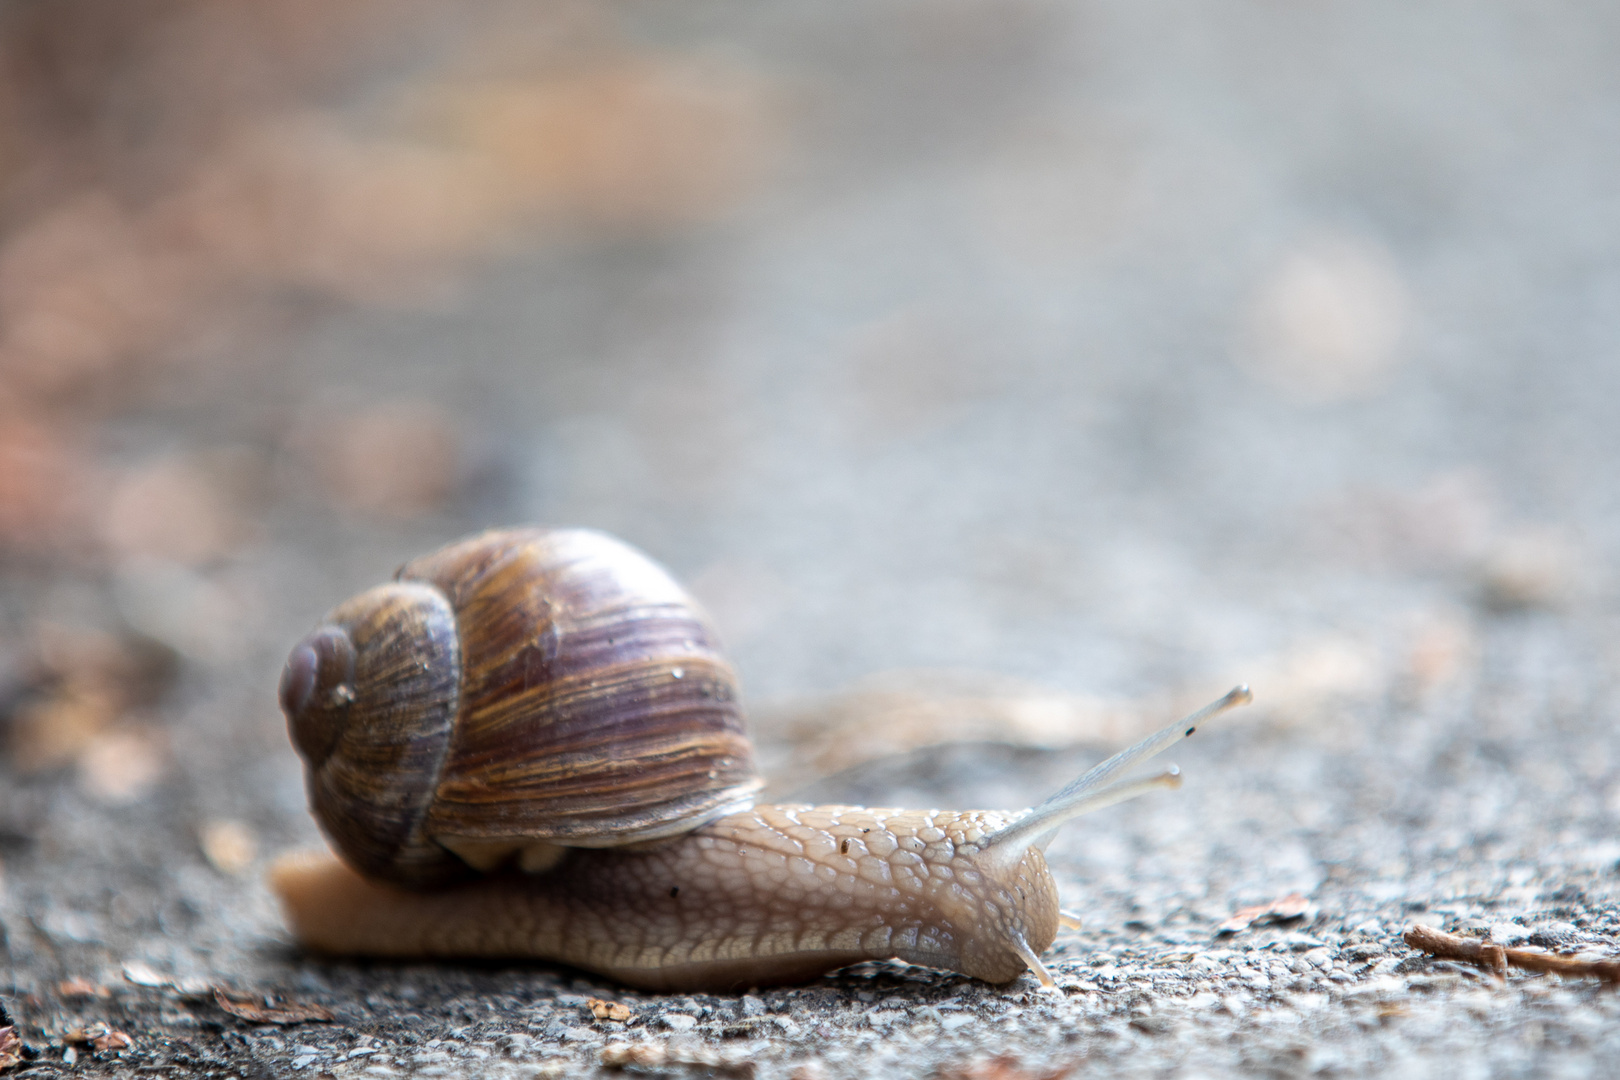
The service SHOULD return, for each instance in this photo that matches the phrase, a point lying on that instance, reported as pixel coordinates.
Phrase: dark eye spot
(674, 891)
(866, 830)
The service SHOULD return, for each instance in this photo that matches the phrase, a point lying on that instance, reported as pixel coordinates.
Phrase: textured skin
(771, 895)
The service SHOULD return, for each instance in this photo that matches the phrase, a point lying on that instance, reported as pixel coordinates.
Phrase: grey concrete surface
(1125, 351)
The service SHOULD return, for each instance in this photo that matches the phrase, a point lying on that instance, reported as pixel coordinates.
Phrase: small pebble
(1506, 933)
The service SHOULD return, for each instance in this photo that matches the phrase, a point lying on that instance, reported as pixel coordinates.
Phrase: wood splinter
(1498, 959)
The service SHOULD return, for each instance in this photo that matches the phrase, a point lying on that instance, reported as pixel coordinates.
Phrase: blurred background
(1013, 371)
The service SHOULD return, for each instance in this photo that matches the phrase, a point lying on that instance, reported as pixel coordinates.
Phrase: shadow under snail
(527, 746)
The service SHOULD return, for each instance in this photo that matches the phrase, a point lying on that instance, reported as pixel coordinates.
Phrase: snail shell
(514, 694)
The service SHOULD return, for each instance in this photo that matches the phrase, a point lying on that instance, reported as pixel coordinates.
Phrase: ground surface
(1080, 360)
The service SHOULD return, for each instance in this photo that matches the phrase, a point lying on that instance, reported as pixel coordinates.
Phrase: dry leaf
(11, 1048)
(77, 987)
(142, 975)
(79, 681)
(608, 1010)
(1530, 568)
(635, 1055)
(1001, 1067)
(1292, 906)
(897, 712)
(99, 1037)
(56, 728)
(650, 1055)
(254, 1008)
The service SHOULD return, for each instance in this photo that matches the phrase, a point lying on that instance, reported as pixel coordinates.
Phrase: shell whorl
(576, 695)
(370, 698)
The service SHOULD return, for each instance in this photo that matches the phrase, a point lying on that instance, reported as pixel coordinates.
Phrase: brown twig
(1499, 959)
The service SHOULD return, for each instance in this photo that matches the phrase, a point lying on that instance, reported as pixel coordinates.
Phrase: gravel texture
(1107, 353)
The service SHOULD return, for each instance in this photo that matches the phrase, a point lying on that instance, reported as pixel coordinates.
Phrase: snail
(527, 746)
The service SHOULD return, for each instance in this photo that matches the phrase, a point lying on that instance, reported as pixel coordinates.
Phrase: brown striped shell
(514, 693)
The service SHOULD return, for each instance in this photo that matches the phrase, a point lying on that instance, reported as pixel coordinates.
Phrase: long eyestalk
(1101, 786)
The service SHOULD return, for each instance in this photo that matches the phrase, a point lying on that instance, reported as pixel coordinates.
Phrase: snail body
(528, 747)
(769, 895)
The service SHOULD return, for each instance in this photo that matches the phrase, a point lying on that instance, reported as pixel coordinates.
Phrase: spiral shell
(509, 695)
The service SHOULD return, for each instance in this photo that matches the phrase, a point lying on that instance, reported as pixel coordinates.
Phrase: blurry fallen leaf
(122, 765)
(650, 1055)
(258, 1009)
(900, 711)
(641, 141)
(1292, 906)
(1530, 568)
(142, 975)
(143, 226)
(78, 987)
(190, 987)
(608, 1010)
(99, 1037)
(78, 682)
(299, 198)
(11, 1048)
(193, 988)
(53, 730)
(137, 671)
(230, 845)
(635, 1055)
(1001, 1067)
